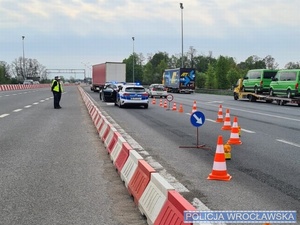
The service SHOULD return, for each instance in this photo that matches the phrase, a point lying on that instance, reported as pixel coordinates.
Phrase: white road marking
(4, 115)
(27, 106)
(35, 103)
(248, 131)
(42, 100)
(288, 142)
(17, 110)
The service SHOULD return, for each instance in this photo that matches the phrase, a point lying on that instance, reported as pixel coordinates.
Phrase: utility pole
(181, 7)
(24, 72)
(133, 59)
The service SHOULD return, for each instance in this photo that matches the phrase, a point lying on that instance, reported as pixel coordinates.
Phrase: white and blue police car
(132, 94)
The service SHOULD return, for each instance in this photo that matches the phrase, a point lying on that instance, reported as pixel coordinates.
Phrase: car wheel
(146, 106)
(289, 94)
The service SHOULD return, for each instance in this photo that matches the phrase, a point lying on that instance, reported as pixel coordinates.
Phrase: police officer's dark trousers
(56, 96)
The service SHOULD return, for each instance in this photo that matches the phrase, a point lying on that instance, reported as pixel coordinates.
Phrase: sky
(75, 34)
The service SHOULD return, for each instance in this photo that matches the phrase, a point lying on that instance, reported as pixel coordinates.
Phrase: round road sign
(170, 98)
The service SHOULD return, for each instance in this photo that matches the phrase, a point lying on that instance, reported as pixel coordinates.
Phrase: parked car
(157, 90)
(258, 80)
(286, 83)
(109, 92)
(28, 82)
(132, 94)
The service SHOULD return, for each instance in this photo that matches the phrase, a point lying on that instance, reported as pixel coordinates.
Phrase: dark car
(109, 92)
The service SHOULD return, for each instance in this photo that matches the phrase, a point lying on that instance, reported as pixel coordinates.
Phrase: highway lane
(53, 167)
(265, 168)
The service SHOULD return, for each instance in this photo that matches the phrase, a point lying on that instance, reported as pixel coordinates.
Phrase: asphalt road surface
(265, 168)
(53, 167)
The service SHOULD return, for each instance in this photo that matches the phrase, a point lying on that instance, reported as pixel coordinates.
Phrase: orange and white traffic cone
(174, 107)
(194, 109)
(234, 136)
(180, 110)
(165, 104)
(153, 101)
(219, 170)
(160, 103)
(220, 115)
(227, 123)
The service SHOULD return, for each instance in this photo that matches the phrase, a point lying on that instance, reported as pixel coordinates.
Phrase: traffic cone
(153, 101)
(234, 136)
(227, 123)
(180, 108)
(160, 103)
(194, 109)
(219, 170)
(165, 104)
(174, 107)
(227, 151)
(220, 115)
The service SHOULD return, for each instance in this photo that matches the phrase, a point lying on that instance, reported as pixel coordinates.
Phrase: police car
(132, 95)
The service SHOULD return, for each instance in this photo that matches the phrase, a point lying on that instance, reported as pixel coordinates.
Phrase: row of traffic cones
(235, 128)
(174, 108)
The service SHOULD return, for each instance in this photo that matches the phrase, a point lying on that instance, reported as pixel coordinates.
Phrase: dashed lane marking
(4, 115)
(17, 110)
(288, 142)
(27, 106)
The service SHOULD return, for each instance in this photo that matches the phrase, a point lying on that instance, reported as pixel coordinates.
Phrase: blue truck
(180, 80)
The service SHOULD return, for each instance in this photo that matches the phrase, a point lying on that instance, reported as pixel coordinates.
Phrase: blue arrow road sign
(197, 119)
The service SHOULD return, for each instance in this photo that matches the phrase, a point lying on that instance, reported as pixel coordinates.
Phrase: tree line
(213, 73)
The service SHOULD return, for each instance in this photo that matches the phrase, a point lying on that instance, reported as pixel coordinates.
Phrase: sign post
(197, 120)
(169, 99)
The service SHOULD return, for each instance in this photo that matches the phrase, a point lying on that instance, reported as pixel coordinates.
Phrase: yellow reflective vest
(56, 88)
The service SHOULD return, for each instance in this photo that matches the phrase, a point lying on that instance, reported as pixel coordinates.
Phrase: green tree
(233, 75)
(210, 77)
(223, 65)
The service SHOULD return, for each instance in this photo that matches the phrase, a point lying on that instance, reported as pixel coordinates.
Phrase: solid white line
(27, 106)
(4, 115)
(289, 143)
(17, 110)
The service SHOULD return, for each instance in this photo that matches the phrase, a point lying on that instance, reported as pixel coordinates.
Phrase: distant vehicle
(258, 80)
(286, 83)
(109, 92)
(36, 82)
(28, 82)
(132, 95)
(157, 90)
(180, 80)
(107, 72)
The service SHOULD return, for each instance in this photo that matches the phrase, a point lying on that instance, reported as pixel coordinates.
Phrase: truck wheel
(235, 96)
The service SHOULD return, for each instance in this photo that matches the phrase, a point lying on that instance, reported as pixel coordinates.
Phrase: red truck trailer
(107, 72)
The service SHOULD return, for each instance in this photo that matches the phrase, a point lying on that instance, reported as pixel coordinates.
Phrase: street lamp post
(23, 37)
(181, 6)
(132, 59)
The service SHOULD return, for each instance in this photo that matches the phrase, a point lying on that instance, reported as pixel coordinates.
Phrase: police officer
(56, 89)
